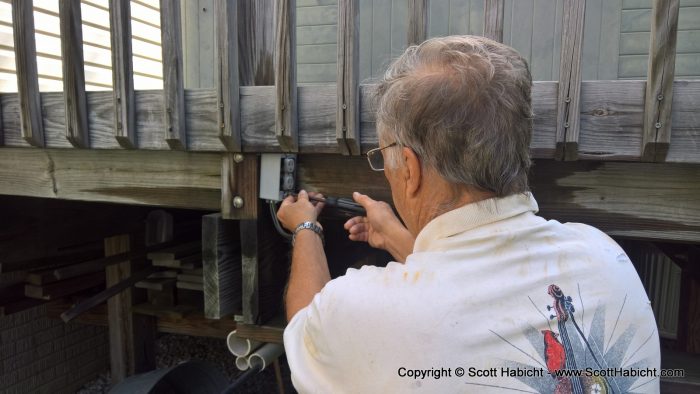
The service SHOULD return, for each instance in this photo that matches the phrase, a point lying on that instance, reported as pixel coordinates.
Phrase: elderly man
(484, 295)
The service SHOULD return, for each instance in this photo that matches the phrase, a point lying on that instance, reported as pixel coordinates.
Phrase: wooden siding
(635, 35)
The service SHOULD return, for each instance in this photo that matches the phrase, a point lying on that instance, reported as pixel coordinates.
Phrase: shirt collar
(473, 215)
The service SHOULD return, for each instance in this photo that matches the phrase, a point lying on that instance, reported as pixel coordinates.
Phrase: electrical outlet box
(277, 175)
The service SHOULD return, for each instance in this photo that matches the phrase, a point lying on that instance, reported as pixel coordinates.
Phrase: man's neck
(444, 198)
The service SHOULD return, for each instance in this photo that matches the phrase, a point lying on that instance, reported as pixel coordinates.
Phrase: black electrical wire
(278, 226)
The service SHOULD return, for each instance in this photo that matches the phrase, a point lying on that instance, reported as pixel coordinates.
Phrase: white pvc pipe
(242, 363)
(240, 347)
(265, 355)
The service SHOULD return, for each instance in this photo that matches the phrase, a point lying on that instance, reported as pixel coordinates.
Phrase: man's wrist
(311, 226)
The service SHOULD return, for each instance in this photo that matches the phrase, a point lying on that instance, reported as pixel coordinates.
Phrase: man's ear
(413, 174)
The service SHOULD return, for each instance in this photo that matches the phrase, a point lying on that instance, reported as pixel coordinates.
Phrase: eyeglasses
(376, 159)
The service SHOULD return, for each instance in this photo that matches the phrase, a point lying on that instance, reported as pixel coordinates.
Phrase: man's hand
(297, 210)
(380, 228)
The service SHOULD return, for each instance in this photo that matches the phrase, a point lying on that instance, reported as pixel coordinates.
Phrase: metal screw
(566, 124)
(237, 157)
(345, 106)
(345, 128)
(658, 125)
(660, 97)
(567, 100)
(238, 202)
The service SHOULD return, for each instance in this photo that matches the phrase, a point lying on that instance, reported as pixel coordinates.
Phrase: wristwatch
(308, 226)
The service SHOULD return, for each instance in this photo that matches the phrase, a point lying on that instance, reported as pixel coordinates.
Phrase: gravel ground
(174, 349)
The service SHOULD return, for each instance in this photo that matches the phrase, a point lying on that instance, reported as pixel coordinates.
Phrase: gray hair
(462, 103)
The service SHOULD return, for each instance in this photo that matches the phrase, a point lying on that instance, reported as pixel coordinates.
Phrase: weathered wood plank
(605, 113)
(417, 21)
(227, 82)
(286, 125)
(105, 295)
(638, 200)
(239, 186)
(76, 113)
(55, 290)
(177, 251)
(493, 19)
(611, 120)
(347, 124)
(685, 142)
(256, 41)
(184, 180)
(570, 80)
(221, 255)
(173, 83)
(27, 77)
(131, 337)
(123, 101)
(660, 72)
(121, 330)
(263, 252)
(194, 324)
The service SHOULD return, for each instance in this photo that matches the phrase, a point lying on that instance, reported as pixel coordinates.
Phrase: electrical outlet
(277, 175)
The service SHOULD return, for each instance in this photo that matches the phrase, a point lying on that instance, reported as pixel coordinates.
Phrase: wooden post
(285, 76)
(227, 84)
(239, 186)
(221, 260)
(27, 76)
(659, 89)
(131, 337)
(568, 104)
(347, 124)
(73, 73)
(122, 73)
(173, 85)
(493, 19)
(417, 21)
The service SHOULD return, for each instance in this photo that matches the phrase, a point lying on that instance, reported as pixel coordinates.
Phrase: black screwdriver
(343, 204)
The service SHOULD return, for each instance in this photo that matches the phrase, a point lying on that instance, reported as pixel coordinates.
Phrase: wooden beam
(194, 324)
(285, 76)
(612, 196)
(221, 255)
(131, 337)
(175, 179)
(52, 291)
(417, 21)
(240, 186)
(27, 77)
(570, 80)
(76, 112)
(173, 85)
(124, 126)
(263, 333)
(493, 19)
(659, 89)
(105, 295)
(227, 83)
(347, 121)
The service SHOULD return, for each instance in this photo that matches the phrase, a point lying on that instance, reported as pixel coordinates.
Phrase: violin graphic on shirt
(560, 355)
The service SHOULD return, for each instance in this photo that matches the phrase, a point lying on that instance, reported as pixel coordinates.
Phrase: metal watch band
(308, 226)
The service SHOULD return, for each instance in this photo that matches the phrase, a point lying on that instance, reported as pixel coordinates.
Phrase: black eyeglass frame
(372, 152)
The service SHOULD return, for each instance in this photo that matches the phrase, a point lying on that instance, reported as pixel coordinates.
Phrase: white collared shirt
(490, 288)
